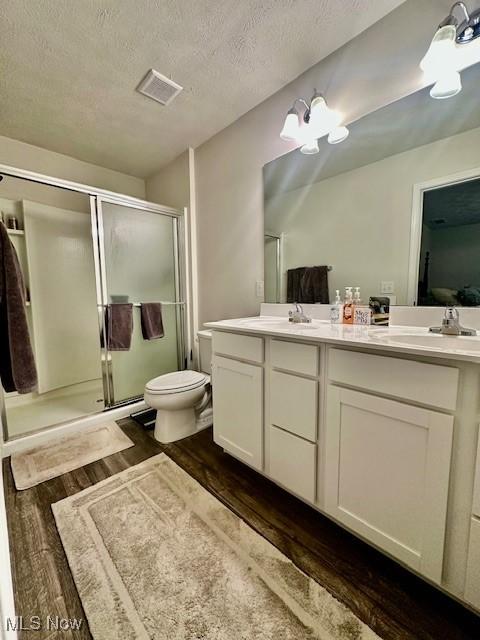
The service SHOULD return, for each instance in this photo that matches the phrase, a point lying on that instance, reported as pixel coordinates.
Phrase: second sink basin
(455, 343)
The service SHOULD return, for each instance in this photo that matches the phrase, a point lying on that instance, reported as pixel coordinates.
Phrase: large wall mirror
(394, 209)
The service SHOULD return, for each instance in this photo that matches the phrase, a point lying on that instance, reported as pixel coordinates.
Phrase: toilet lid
(176, 381)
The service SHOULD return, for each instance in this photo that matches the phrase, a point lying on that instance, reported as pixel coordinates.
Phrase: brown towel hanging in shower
(119, 326)
(152, 323)
(17, 364)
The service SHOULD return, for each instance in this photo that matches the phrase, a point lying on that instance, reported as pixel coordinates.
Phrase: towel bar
(139, 304)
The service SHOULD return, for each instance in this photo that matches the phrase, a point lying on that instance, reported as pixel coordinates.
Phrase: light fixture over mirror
(316, 121)
(442, 62)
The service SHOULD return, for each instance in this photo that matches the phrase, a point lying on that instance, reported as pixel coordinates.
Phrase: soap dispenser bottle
(348, 306)
(336, 309)
(361, 312)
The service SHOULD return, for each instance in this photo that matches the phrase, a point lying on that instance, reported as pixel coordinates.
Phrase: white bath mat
(155, 556)
(57, 457)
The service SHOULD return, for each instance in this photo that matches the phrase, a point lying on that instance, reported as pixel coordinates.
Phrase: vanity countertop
(398, 339)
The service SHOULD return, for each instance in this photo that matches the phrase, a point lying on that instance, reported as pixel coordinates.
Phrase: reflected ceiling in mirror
(359, 206)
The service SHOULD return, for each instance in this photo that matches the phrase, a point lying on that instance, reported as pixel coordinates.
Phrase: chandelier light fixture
(442, 62)
(311, 122)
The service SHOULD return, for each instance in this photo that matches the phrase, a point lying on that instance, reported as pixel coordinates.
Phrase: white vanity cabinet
(379, 439)
(238, 396)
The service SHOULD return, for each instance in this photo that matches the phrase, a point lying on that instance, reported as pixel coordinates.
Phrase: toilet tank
(205, 351)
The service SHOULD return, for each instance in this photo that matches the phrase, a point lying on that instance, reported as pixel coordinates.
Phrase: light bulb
(442, 53)
(291, 127)
(447, 86)
(322, 118)
(310, 147)
(339, 134)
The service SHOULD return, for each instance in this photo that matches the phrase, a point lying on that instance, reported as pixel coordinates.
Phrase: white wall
(171, 185)
(174, 186)
(359, 221)
(377, 67)
(26, 156)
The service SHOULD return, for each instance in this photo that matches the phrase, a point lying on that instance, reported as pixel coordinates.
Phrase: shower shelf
(15, 232)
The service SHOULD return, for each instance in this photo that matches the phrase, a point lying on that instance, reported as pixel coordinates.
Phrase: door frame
(416, 223)
(113, 197)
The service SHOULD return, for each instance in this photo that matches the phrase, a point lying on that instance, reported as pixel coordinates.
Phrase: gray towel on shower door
(152, 323)
(17, 364)
(119, 326)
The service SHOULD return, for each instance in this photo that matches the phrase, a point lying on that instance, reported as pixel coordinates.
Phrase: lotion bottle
(336, 309)
(348, 306)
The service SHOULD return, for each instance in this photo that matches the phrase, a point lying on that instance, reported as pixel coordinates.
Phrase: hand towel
(17, 363)
(119, 326)
(152, 323)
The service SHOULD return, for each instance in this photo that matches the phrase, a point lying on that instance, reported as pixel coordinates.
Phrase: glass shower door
(139, 263)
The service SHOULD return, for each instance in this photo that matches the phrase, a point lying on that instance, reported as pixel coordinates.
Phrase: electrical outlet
(387, 286)
(260, 289)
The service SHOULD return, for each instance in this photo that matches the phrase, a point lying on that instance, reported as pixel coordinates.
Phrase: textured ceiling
(69, 69)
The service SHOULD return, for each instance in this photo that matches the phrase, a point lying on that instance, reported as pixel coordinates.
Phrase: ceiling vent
(158, 87)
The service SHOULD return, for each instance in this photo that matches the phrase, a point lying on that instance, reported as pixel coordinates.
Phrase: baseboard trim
(40, 437)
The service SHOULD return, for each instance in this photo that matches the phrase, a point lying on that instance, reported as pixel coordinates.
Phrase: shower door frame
(96, 194)
(98, 238)
(278, 262)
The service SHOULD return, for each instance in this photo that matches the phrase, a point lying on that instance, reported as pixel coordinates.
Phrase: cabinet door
(238, 409)
(386, 475)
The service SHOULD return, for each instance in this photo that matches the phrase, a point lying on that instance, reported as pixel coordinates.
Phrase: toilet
(183, 399)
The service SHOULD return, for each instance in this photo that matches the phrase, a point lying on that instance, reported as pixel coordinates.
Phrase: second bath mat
(57, 457)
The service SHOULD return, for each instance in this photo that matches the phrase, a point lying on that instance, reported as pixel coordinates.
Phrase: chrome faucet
(451, 325)
(297, 315)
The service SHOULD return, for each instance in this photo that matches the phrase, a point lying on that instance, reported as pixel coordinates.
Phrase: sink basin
(283, 324)
(280, 323)
(427, 340)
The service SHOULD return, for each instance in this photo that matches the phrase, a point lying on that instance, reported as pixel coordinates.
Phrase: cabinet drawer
(300, 358)
(472, 583)
(293, 404)
(293, 463)
(431, 384)
(238, 346)
(476, 493)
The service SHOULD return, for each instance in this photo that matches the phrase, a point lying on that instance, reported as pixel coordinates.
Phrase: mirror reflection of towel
(152, 323)
(308, 285)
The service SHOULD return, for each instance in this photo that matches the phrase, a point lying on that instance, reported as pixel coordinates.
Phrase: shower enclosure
(81, 250)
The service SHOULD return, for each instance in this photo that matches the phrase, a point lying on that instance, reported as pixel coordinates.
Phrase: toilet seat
(176, 382)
